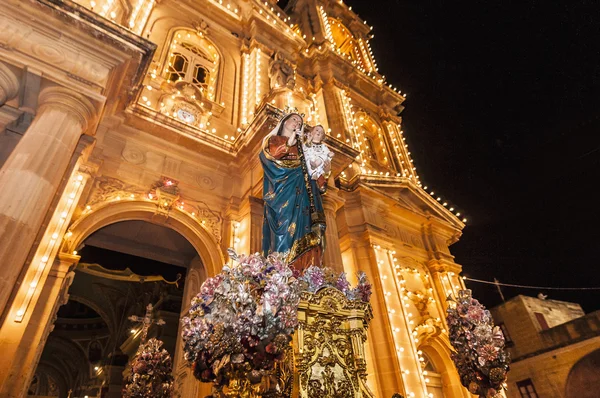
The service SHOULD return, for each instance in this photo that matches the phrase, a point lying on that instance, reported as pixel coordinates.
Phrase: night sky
(503, 118)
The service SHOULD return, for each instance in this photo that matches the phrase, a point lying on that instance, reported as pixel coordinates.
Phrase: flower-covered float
(480, 357)
(241, 323)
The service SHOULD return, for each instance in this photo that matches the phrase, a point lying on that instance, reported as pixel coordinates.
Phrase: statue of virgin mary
(294, 222)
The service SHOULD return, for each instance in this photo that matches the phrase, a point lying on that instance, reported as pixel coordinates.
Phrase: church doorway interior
(124, 267)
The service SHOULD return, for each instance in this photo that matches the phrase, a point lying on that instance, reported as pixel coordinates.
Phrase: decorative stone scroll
(329, 346)
(106, 189)
(164, 193)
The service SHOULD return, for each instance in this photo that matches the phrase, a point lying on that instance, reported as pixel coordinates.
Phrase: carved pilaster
(22, 343)
(9, 84)
(334, 109)
(256, 222)
(332, 256)
(32, 174)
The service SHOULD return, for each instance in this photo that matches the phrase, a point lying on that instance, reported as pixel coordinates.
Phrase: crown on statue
(287, 110)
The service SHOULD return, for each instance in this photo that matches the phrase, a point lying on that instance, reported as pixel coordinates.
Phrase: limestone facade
(154, 111)
(554, 348)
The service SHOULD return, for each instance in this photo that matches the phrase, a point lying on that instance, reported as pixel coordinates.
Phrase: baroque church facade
(151, 114)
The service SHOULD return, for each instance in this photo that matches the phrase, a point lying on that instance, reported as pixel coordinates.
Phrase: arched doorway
(583, 380)
(192, 229)
(129, 239)
(433, 378)
(440, 374)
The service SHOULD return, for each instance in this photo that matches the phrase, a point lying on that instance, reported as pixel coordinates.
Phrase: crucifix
(146, 321)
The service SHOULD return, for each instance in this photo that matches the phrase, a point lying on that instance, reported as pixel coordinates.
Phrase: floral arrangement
(241, 322)
(480, 357)
(315, 278)
(150, 375)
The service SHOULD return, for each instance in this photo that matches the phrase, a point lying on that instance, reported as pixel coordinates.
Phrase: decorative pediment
(411, 197)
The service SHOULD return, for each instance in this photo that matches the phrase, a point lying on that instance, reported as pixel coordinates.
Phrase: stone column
(21, 349)
(334, 109)
(9, 84)
(381, 342)
(256, 224)
(333, 254)
(31, 175)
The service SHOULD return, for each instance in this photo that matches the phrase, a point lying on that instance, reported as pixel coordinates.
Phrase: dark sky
(503, 120)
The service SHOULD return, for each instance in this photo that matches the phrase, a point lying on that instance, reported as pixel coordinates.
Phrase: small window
(200, 76)
(541, 320)
(526, 389)
(194, 60)
(177, 68)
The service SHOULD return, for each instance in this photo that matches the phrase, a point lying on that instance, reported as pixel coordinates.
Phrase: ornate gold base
(328, 356)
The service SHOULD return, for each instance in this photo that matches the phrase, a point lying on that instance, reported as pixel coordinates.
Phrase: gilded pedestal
(329, 350)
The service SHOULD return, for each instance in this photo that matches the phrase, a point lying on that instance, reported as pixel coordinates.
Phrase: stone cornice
(105, 29)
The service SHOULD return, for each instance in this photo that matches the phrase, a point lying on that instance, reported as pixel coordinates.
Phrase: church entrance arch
(109, 222)
(190, 228)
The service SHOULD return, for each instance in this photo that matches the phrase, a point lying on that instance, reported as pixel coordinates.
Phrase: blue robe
(289, 224)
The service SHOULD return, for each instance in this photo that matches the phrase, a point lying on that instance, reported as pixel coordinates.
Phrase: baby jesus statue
(317, 156)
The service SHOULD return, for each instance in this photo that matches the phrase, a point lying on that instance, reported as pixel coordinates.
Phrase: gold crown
(287, 110)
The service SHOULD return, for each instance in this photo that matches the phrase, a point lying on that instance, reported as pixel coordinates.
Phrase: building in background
(118, 116)
(554, 345)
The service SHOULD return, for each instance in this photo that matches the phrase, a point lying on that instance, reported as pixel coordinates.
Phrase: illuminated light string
(257, 80)
(445, 204)
(328, 34)
(246, 66)
(368, 58)
(398, 343)
(180, 205)
(272, 16)
(236, 239)
(527, 286)
(398, 143)
(155, 84)
(398, 285)
(228, 8)
(51, 241)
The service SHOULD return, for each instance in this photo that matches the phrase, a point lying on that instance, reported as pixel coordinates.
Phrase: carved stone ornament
(201, 27)
(185, 102)
(133, 154)
(281, 73)
(428, 329)
(166, 192)
(107, 189)
(329, 346)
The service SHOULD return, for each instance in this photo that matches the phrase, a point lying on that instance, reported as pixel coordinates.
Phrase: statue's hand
(280, 150)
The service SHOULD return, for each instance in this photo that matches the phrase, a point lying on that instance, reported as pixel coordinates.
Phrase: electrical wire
(529, 287)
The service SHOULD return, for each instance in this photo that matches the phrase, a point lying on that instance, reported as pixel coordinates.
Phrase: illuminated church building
(122, 120)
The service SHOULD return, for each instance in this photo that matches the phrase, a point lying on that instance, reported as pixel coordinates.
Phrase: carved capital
(332, 202)
(9, 84)
(69, 101)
